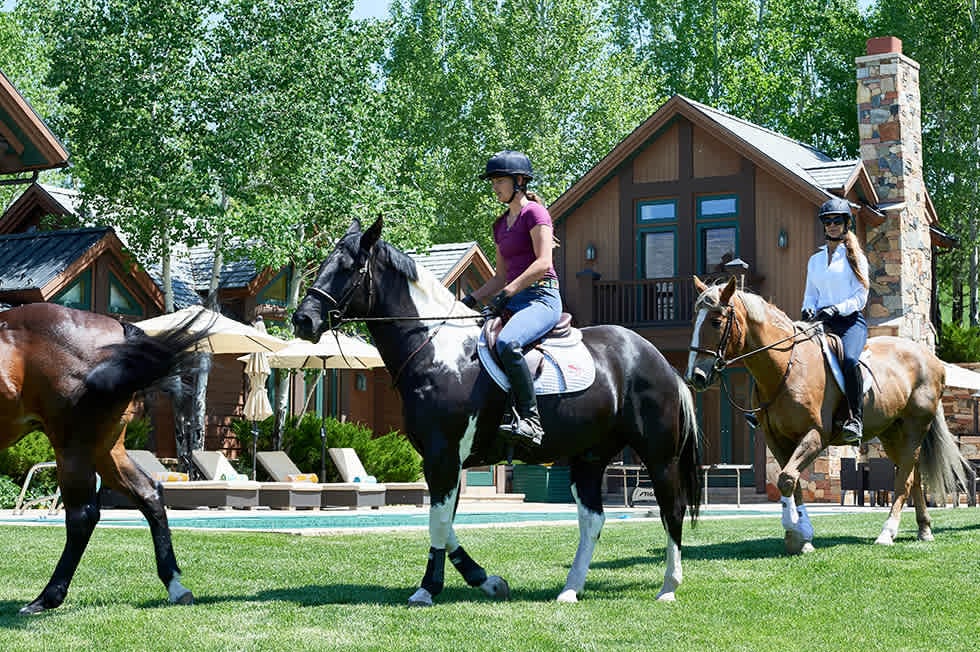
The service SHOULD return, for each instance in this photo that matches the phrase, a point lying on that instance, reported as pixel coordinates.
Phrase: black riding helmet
(508, 163)
(836, 206)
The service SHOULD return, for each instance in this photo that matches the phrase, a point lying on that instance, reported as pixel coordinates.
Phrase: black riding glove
(827, 312)
(808, 314)
(469, 301)
(498, 303)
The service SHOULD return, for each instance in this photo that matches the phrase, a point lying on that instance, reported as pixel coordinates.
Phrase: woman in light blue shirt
(836, 293)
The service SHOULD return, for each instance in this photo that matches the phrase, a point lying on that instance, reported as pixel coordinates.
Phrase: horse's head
(712, 341)
(343, 287)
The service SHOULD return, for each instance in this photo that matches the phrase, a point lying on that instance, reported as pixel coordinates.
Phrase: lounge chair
(181, 493)
(397, 493)
(333, 494)
(274, 495)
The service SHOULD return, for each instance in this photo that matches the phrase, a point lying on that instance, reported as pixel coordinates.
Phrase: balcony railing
(651, 302)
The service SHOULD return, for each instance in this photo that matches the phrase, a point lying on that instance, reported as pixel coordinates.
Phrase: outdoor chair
(351, 495)
(181, 493)
(398, 493)
(274, 495)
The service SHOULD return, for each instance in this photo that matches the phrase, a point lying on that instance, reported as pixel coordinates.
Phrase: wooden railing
(652, 302)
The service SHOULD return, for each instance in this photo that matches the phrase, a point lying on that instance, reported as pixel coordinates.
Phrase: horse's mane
(756, 308)
(428, 289)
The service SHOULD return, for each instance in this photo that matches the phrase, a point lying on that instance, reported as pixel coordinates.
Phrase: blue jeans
(536, 311)
(853, 333)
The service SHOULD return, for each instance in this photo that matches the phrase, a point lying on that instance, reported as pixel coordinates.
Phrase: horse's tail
(941, 464)
(141, 360)
(690, 450)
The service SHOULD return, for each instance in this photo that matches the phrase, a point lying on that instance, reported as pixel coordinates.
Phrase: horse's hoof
(807, 548)
(884, 539)
(186, 598)
(568, 595)
(32, 609)
(794, 543)
(420, 598)
(666, 596)
(925, 534)
(496, 587)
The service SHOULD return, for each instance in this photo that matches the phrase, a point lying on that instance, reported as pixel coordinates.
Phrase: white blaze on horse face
(452, 337)
(695, 343)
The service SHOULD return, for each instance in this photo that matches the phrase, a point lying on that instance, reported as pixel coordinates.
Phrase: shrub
(959, 343)
(390, 458)
(17, 460)
(9, 490)
(138, 434)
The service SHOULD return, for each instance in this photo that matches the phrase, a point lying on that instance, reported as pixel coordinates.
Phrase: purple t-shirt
(515, 244)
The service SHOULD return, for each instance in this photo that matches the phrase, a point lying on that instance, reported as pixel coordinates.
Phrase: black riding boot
(853, 426)
(528, 422)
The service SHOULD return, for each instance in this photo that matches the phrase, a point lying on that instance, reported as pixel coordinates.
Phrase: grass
(348, 592)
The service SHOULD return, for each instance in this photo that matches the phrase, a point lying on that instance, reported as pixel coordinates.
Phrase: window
(276, 291)
(658, 254)
(78, 294)
(658, 211)
(121, 302)
(717, 233)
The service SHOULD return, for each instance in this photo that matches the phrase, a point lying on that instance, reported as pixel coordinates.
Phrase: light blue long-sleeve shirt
(835, 284)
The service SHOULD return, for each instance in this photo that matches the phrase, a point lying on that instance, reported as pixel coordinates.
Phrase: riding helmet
(835, 206)
(508, 163)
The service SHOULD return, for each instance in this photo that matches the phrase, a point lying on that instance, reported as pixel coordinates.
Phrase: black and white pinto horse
(453, 409)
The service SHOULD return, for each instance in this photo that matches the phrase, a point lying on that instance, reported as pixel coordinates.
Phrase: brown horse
(800, 407)
(72, 374)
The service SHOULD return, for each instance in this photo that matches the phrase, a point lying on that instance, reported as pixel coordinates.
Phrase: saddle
(833, 353)
(559, 361)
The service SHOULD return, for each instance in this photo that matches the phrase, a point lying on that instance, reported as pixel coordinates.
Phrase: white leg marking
(441, 521)
(790, 516)
(803, 525)
(695, 342)
(674, 574)
(889, 532)
(178, 593)
(589, 526)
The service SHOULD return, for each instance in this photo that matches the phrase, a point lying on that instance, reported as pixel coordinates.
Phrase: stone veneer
(899, 250)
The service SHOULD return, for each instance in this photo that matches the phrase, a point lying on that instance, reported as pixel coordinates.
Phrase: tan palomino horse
(800, 408)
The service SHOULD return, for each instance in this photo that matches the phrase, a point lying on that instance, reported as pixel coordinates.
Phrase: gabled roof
(31, 261)
(37, 265)
(448, 261)
(37, 198)
(26, 143)
(235, 274)
(813, 173)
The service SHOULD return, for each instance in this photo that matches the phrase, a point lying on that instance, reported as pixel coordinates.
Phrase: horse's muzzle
(699, 380)
(305, 324)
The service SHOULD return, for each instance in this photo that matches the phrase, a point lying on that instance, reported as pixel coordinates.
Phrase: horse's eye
(716, 323)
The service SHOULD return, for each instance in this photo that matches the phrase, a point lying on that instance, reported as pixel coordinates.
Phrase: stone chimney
(899, 250)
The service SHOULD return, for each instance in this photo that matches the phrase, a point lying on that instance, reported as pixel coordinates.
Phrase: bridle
(337, 316)
(721, 362)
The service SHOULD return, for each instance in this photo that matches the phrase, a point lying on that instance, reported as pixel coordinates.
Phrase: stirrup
(853, 432)
(531, 434)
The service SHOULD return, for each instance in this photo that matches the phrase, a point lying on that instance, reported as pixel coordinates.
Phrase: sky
(370, 9)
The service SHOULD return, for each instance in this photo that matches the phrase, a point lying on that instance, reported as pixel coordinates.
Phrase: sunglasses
(837, 219)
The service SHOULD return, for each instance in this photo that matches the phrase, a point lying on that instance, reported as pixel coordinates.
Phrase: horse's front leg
(591, 518)
(81, 516)
(795, 520)
(903, 486)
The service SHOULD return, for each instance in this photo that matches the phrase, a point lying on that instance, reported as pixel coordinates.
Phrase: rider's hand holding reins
(498, 303)
(827, 312)
(808, 314)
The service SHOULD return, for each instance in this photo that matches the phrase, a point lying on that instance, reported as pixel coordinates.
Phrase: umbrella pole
(255, 446)
(323, 433)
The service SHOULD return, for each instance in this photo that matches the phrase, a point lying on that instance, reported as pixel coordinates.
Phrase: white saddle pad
(567, 365)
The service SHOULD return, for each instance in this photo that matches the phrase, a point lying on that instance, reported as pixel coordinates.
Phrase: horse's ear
(355, 227)
(699, 285)
(372, 235)
(728, 290)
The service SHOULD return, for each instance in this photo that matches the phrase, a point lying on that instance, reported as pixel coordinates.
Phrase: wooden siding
(596, 221)
(712, 158)
(784, 270)
(658, 161)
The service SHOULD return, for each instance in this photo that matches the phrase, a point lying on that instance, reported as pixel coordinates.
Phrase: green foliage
(138, 434)
(9, 490)
(390, 458)
(959, 344)
(18, 459)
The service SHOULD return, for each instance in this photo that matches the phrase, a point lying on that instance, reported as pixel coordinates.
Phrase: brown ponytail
(853, 248)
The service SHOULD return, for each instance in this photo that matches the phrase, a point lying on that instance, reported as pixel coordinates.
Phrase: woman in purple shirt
(836, 293)
(524, 285)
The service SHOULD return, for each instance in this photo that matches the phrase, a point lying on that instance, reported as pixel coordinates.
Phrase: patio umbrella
(226, 335)
(257, 406)
(333, 351)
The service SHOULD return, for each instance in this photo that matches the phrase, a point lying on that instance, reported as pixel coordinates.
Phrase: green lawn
(348, 592)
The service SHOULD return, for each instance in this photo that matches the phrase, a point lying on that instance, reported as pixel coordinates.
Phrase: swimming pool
(300, 521)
